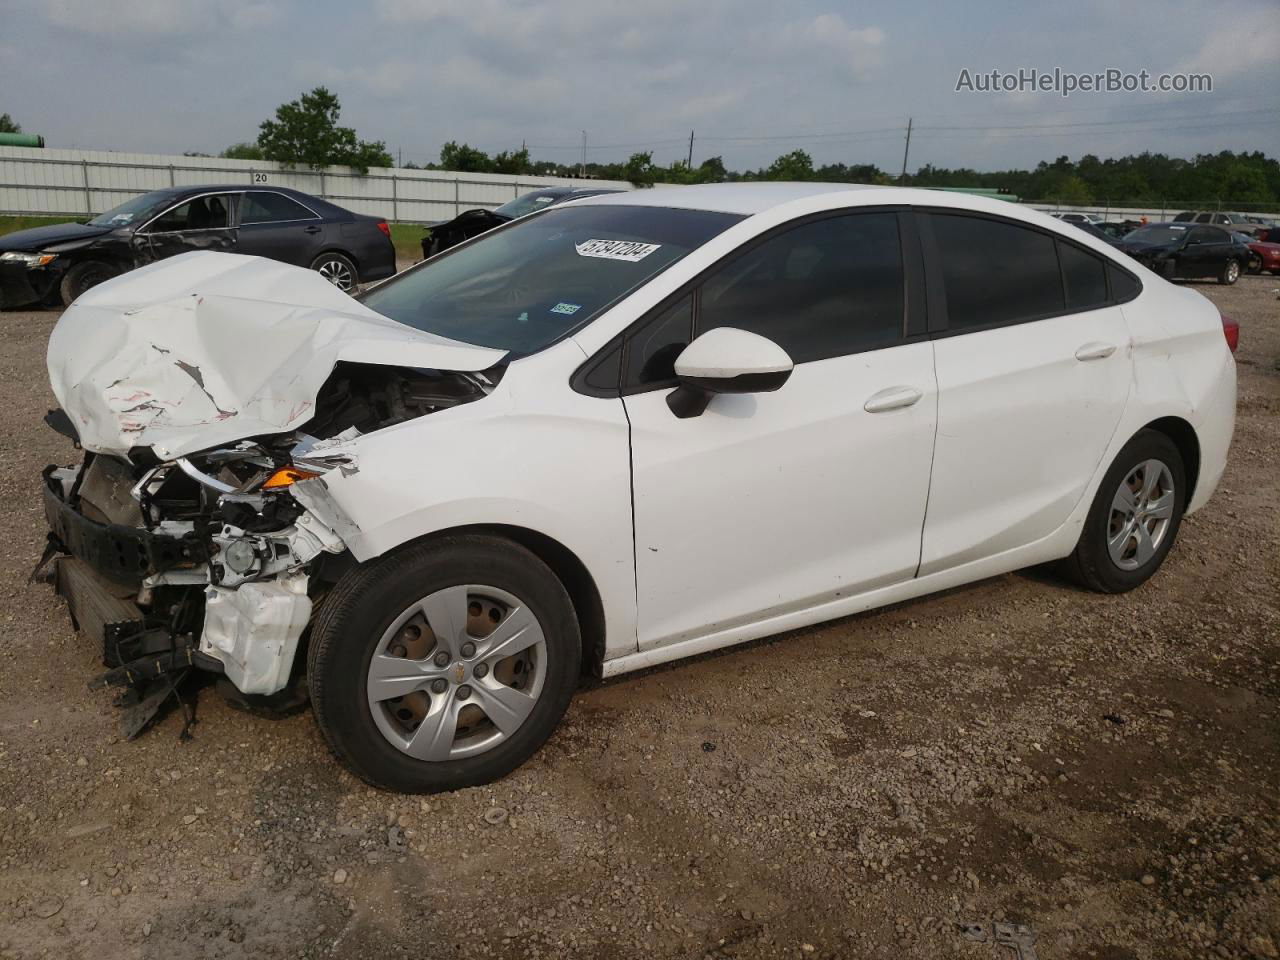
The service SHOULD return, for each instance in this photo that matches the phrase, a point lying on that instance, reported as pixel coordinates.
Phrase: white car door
(768, 503)
(1033, 374)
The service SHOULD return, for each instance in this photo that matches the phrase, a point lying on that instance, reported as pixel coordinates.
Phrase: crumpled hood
(208, 348)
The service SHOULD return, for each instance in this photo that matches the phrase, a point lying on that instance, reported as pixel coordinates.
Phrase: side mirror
(726, 360)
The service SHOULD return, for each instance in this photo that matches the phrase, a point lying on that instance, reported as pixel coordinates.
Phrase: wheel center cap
(459, 673)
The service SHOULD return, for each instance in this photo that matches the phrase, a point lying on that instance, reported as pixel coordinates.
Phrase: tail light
(1231, 330)
(382, 225)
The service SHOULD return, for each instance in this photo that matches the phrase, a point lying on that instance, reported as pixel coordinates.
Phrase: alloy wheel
(457, 673)
(1141, 513)
(338, 273)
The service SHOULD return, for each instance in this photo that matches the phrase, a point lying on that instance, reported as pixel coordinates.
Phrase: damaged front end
(213, 394)
(215, 561)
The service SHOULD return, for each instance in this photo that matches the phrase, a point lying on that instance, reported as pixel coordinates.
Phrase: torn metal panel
(208, 348)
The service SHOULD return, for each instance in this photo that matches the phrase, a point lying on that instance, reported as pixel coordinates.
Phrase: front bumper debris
(217, 580)
(21, 286)
(124, 555)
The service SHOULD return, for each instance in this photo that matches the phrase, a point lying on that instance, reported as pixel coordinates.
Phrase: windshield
(131, 210)
(526, 285)
(528, 203)
(1158, 235)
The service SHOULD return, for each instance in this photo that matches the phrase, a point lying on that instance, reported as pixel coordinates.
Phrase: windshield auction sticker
(628, 250)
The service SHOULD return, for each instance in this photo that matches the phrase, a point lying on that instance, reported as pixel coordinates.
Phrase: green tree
(1072, 191)
(796, 165)
(242, 151)
(639, 169)
(9, 125)
(463, 158)
(306, 131)
(515, 161)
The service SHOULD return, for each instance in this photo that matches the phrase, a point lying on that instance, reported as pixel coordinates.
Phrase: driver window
(824, 289)
(199, 213)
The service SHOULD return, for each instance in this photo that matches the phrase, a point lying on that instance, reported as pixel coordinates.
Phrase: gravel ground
(1101, 770)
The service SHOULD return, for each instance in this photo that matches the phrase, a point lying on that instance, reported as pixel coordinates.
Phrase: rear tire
(83, 276)
(1127, 536)
(384, 675)
(1230, 272)
(338, 269)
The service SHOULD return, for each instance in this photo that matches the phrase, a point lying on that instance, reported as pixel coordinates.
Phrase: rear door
(280, 228)
(770, 503)
(1204, 253)
(1033, 374)
(203, 222)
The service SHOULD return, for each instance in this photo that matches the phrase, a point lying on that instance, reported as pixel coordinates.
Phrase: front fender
(562, 472)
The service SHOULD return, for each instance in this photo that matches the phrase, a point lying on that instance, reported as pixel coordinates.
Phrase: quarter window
(996, 272)
(652, 350)
(271, 208)
(1085, 277)
(824, 289)
(1124, 286)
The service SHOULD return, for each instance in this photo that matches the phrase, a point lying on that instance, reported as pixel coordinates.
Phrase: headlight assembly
(32, 260)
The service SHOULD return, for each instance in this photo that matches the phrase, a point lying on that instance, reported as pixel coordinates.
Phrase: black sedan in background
(58, 263)
(1188, 251)
(472, 223)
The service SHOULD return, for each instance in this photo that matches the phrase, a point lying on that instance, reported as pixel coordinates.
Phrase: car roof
(740, 198)
(318, 204)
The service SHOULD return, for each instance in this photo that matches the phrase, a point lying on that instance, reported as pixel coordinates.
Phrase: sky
(751, 78)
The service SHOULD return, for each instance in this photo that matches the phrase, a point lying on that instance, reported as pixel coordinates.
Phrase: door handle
(1095, 350)
(892, 398)
(312, 229)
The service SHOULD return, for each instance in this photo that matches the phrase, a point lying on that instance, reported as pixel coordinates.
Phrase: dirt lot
(1103, 770)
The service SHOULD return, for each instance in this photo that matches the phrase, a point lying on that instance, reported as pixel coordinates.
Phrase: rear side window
(1084, 276)
(827, 288)
(271, 208)
(996, 272)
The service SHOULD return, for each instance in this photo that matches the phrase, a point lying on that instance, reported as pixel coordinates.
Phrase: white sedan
(615, 433)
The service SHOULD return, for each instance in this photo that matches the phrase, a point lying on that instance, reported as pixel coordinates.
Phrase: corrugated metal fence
(78, 183)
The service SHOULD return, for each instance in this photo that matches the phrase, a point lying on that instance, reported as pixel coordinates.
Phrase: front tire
(83, 276)
(1134, 518)
(338, 269)
(443, 665)
(1230, 272)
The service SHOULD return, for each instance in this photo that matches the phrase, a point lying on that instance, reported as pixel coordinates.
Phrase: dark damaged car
(56, 264)
(472, 223)
(1182, 251)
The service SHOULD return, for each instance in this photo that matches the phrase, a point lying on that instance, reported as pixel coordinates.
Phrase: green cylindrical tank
(21, 140)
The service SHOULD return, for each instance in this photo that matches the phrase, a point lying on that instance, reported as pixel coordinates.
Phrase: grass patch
(10, 224)
(407, 237)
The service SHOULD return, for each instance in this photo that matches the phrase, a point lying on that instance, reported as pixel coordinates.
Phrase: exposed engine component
(210, 560)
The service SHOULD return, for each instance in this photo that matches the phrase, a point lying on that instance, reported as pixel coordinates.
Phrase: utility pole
(906, 150)
(582, 170)
(399, 156)
(689, 162)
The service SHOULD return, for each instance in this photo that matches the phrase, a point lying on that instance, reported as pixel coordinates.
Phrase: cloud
(1238, 46)
(856, 47)
(138, 18)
